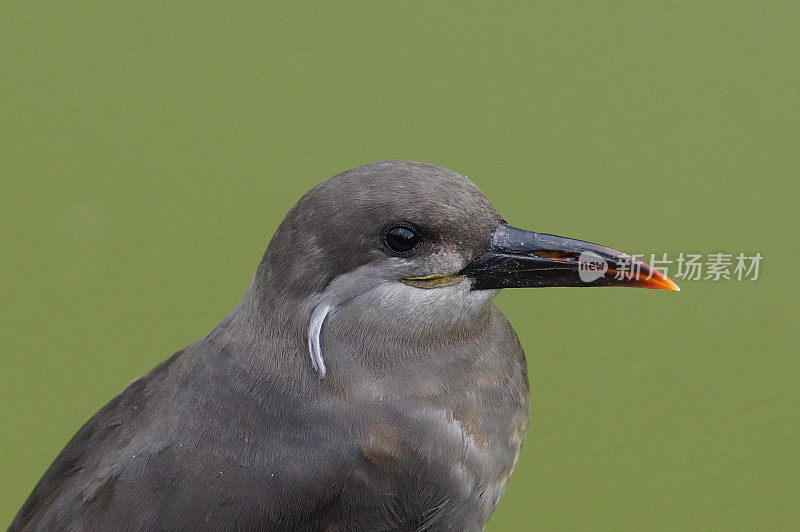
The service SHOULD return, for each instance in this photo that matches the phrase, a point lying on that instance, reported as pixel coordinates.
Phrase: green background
(147, 154)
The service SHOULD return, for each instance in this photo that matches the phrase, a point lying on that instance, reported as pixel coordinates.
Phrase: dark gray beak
(519, 258)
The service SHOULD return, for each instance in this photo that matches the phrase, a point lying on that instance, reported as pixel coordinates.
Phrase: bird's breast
(441, 415)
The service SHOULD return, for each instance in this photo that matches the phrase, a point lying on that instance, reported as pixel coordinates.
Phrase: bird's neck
(389, 335)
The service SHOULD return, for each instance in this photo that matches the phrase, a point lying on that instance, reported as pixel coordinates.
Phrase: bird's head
(417, 244)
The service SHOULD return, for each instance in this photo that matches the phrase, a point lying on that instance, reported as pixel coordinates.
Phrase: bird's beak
(519, 258)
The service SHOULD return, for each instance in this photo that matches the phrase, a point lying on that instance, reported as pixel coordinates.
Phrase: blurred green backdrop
(149, 152)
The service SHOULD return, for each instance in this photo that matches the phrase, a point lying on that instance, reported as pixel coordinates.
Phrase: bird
(366, 380)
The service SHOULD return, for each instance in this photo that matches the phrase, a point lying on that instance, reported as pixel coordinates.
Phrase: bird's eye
(401, 239)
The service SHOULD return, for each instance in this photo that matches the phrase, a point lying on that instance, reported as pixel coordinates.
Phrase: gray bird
(365, 381)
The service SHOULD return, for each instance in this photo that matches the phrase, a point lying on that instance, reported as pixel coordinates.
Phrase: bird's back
(184, 447)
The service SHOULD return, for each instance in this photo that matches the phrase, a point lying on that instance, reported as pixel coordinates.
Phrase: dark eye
(401, 239)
